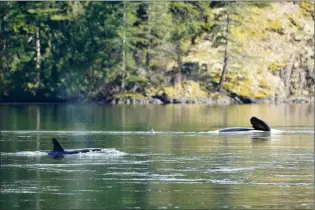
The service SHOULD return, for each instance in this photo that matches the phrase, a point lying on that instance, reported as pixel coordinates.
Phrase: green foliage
(70, 48)
(91, 50)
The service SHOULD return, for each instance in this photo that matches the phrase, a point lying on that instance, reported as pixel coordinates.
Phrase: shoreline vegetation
(169, 52)
(142, 100)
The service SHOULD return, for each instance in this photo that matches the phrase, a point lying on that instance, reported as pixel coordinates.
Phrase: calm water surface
(180, 166)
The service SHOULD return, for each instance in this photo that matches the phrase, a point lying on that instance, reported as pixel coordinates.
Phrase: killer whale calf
(257, 125)
(59, 151)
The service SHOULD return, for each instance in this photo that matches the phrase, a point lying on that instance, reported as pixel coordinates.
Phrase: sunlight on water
(26, 153)
(180, 166)
(215, 132)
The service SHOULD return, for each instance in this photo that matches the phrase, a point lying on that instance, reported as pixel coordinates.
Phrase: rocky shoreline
(222, 100)
(216, 99)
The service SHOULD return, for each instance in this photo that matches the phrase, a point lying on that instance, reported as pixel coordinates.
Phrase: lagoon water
(180, 166)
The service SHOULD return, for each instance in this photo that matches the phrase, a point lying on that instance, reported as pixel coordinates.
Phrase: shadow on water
(263, 136)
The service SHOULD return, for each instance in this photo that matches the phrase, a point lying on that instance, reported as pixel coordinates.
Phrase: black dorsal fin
(259, 124)
(57, 145)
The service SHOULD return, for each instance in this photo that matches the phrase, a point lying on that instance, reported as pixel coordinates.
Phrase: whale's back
(235, 129)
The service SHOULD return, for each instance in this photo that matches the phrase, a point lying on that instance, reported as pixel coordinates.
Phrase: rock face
(223, 100)
(271, 60)
(272, 53)
(144, 100)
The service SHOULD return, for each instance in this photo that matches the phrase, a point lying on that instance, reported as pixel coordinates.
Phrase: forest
(157, 51)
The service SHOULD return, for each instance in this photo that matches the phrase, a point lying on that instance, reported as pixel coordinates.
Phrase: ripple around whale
(214, 132)
(26, 153)
(106, 152)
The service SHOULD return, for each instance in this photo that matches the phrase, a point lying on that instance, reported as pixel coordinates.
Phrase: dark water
(181, 166)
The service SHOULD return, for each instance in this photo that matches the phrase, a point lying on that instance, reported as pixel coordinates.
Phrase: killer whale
(257, 125)
(59, 151)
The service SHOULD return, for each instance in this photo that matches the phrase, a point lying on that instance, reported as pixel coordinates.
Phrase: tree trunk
(148, 53)
(38, 57)
(123, 70)
(147, 61)
(226, 56)
(3, 41)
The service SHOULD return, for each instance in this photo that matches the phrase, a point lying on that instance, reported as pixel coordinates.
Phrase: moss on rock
(125, 95)
(275, 66)
(187, 89)
(307, 8)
